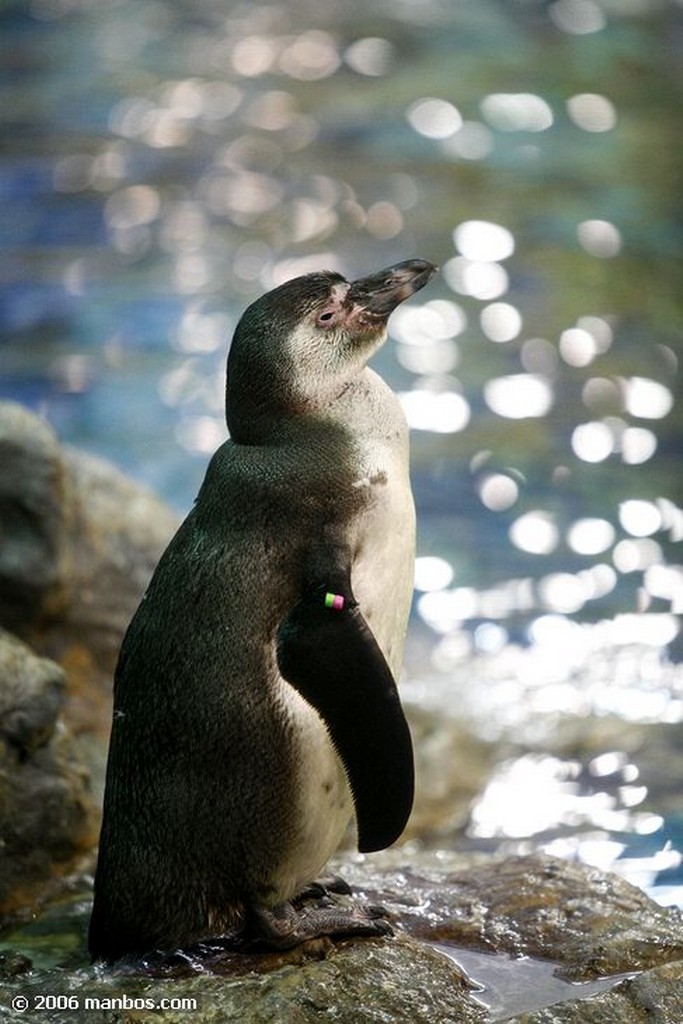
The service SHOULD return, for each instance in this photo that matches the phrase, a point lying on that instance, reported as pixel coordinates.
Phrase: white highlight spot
(501, 322)
(484, 281)
(371, 56)
(519, 396)
(592, 112)
(534, 532)
(517, 112)
(592, 442)
(562, 592)
(637, 445)
(646, 398)
(640, 518)
(498, 491)
(444, 412)
(432, 573)
(434, 118)
(599, 238)
(634, 555)
(484, 241)
(577, 17)
(473, 141)
(578, 347)
(590, 536)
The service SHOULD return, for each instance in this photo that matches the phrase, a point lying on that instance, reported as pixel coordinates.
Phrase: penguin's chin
(366, 325)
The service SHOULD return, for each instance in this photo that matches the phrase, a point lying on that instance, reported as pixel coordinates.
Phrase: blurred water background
(163, 162)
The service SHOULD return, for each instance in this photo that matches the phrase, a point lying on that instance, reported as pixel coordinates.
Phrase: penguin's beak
(381, 293)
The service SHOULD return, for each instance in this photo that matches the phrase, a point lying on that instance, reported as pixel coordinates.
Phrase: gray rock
(367, 982)
(31, 695)
(34, 507)
(46, 810)
(434, 900)
(591, 922)
(78, 544)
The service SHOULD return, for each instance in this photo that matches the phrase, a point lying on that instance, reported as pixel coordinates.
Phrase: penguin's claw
(376, 911)
(319, 888)
(284, 927)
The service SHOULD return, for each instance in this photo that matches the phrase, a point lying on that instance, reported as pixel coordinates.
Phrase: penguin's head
(298, 346)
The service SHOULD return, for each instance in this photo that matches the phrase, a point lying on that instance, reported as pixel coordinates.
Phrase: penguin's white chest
(323, 804)
(384, 556)
(382, 543)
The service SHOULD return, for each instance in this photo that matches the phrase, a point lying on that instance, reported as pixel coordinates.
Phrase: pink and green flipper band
(334, 601)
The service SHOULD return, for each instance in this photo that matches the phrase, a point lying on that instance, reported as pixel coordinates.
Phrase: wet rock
(591, 922)
(79, 542)
(46, 809)
(367, 982)
(13, 964)
(434, 901)
(375, 981)
(655, 997)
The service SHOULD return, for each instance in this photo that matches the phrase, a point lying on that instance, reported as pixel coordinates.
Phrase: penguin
(255, 705)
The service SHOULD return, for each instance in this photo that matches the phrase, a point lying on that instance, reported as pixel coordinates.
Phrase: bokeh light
(592, 442)
(640, 518)
(371, 56)
(578, 17)
(519, 396)
(500, 321)
(434, 118)
(484, 281)
(535, 532)
(645, 398)
(432, 573)
(498, 491)
(517, 112)
(483, 242)
(592, 112)
(590, 536)
(599, 238)
(442, 412)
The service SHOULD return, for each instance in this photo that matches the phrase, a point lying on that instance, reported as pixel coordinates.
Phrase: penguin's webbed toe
(284, 927)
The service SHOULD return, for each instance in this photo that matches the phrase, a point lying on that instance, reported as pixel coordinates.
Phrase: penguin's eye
(326, 318)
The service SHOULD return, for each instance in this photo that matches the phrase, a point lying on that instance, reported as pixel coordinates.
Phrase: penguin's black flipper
(330, 656)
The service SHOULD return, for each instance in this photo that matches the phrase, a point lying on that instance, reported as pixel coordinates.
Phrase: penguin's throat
(263, 414)
(273, 423)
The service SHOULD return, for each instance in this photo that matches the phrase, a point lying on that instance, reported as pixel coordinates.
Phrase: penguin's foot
(321, 887)
(284, 927)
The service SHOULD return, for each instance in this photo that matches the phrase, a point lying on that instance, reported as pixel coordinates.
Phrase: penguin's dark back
(188, 671)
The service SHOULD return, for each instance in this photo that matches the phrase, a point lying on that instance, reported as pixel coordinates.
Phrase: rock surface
(410, 977)
(79, 542)
(47, 813)
(591, 922)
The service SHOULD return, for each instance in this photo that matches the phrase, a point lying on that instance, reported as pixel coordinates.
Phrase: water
(165, 163)
(507, 985)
